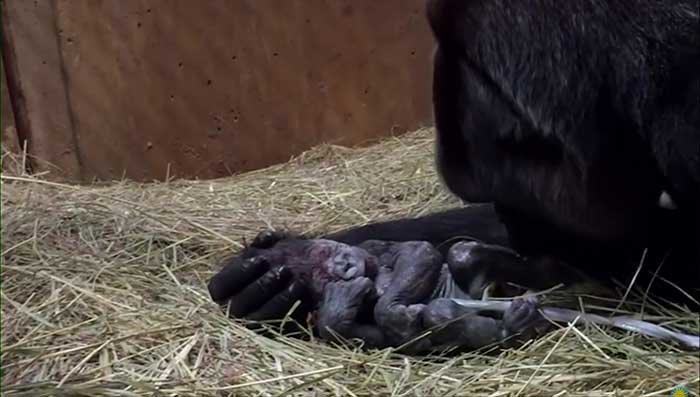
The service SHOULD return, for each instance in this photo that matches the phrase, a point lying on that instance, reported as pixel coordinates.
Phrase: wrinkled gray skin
(411, 295)
(390, 293)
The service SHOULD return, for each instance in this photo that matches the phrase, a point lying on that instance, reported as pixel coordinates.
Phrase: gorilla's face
(340, 260)
(319, 261)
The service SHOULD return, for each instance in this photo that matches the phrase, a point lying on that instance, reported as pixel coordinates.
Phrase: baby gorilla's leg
(455, 326)
(339, 309)
(415, 271)
(474, 266)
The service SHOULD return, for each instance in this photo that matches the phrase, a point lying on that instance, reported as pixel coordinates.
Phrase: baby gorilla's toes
(522, 316)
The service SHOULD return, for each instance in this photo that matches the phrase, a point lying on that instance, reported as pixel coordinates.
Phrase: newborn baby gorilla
(390, 293)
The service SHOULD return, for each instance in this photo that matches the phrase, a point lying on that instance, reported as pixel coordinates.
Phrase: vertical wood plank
(37, 83)
(10, 140)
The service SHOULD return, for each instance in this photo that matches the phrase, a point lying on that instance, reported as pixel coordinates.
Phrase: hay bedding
(103, 293)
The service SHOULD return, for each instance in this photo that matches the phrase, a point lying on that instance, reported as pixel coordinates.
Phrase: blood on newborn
(317, 262)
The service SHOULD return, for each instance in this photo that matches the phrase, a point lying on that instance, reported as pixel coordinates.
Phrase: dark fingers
(280, 304)
(235, 276)
(259, 292)
(268, 238)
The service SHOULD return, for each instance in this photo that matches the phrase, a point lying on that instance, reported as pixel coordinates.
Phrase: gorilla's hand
(256, 290)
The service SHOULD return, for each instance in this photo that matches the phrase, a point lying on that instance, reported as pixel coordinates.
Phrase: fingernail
(284, 272)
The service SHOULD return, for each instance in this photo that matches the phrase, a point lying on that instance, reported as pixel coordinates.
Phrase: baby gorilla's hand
(402, 323)
(339, 308)
(340, 304)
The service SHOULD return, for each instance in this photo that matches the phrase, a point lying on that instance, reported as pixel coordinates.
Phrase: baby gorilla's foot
(440, 312)
(402, 323)
(522, 317)
(455, 326)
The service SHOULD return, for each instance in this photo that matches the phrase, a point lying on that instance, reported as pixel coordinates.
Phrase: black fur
(570, 118)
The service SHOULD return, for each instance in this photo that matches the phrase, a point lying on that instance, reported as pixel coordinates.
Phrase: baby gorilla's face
(341, 261)
(333, 261)
(320, 261)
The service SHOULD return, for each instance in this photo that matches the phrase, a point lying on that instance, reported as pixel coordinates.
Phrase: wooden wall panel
(10, 140)
(208, 88)
(37, 81)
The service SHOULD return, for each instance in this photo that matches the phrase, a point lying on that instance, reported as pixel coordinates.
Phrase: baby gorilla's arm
(337, 314)
(414, 277)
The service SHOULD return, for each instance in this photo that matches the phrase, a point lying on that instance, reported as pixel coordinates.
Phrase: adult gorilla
(573, 118)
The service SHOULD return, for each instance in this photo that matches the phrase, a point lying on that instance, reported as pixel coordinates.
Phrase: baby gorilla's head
(319, 261)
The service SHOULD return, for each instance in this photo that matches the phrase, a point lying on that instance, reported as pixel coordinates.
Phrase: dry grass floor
(103, 293)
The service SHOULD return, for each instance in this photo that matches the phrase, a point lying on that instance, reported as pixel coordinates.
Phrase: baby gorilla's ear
(268, 238)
